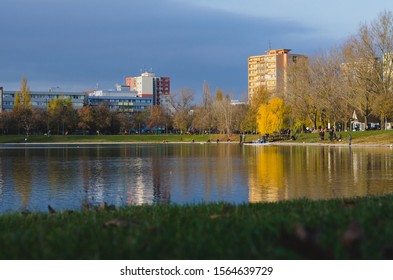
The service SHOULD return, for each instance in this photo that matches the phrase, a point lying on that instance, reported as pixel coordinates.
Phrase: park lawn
(148, 138)
(372, 137)
(101, 138)
(358, 228)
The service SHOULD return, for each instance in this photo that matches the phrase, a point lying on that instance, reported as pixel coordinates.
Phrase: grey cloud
(84, 42)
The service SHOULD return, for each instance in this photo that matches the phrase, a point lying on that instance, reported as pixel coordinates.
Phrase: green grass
(378, 137)
(101, 138)
(360, 228)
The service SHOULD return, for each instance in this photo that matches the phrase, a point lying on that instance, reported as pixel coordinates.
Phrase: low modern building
(41, 99)
(138, 94)
(121, 100)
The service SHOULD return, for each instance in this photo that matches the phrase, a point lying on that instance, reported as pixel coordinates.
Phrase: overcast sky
(75, 44)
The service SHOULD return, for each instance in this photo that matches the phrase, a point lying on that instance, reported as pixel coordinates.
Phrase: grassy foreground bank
(360, 228)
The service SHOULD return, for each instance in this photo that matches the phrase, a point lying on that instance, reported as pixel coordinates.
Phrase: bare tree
(202, 116)
(368, 56)
(301, 97)
(334, 101)
(223, 112)
(180, 104)
(157, 117)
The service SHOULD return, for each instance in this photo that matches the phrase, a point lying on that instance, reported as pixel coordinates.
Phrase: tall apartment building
(148, 85)
(270, 71)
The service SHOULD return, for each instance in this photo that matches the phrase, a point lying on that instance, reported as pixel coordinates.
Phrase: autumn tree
(260, 97)
(102, 118)
(123, 120)
(181, 104)
(203, 117)
(40, 118)
(138, 119)
(62, 114)
(368, 58)
(6, 120)
(239, 111)
(272, 116)
(156, 118)
(86, 118)
(22, 109)
(333, 102)
(223, 112)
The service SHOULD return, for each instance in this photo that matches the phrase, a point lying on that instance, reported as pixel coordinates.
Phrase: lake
(69, 176)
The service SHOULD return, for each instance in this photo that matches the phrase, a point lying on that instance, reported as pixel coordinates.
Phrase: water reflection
(69, 176)
(323, 172)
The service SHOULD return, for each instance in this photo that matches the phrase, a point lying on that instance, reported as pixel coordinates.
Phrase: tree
(22, 109)
(303, 111)
(86, 118)
(62, 113)
(123, 120)
(138, 119)
(239, 111)
(41, 120)
(157, 117)
(368, 57)
(260, 97)
(333, 101)
(181, 107)
(6, 120)
(223, 112)
(272, 116)
(102, 117)
(203, 118)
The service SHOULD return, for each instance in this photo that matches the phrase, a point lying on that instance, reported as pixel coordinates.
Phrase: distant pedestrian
(349, 139)
(241, 138)
(244, 137)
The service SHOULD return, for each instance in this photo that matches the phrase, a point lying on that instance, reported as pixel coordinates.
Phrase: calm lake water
(67, 176)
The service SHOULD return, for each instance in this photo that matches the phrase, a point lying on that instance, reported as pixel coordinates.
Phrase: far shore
(375, 138)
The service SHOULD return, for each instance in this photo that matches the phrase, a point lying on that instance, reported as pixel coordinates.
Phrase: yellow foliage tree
(22, 109)
(271, 117)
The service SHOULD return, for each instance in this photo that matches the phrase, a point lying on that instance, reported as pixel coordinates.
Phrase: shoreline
(199, 142)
